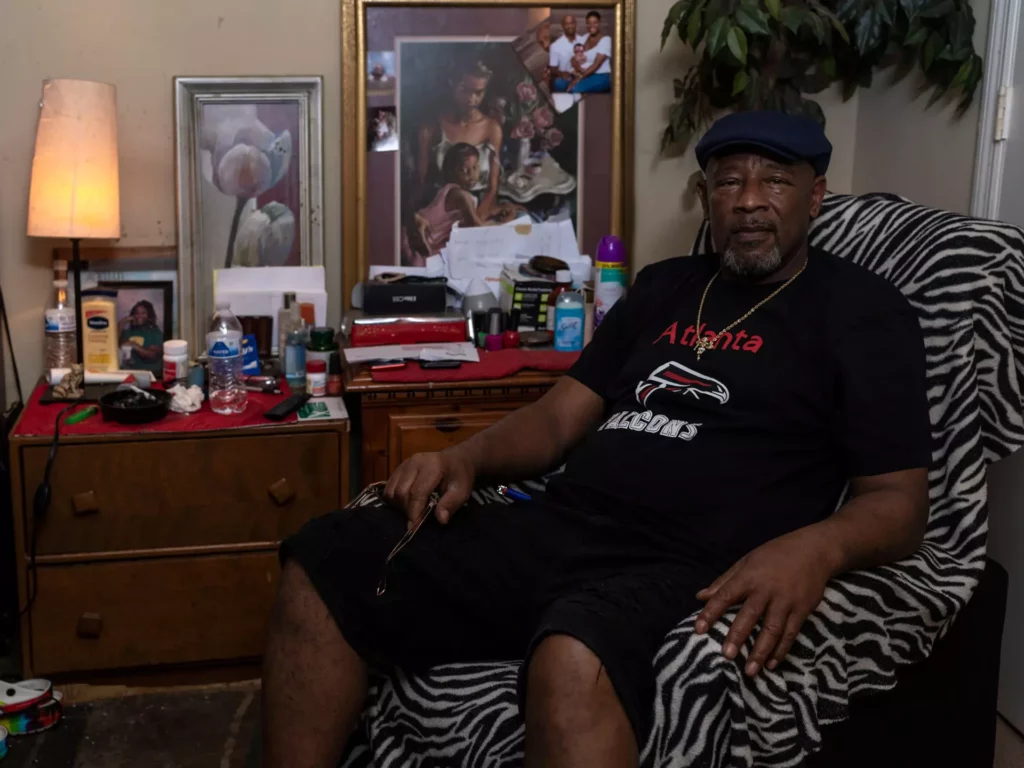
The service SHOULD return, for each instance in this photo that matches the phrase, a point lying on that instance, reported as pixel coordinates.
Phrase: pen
(512, 493)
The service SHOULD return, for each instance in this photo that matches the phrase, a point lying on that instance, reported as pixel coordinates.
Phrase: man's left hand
(780, 583)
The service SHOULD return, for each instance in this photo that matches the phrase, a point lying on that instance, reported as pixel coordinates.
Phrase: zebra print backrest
(965, 277)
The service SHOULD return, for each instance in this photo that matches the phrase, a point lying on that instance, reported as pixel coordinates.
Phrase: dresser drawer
(160, 611)
(121, 496)
(409, 434)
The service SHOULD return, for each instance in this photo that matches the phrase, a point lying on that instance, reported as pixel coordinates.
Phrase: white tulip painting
(242, 159)
(250, 181)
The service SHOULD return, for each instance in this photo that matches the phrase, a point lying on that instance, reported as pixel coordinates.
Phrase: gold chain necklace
(704, 343)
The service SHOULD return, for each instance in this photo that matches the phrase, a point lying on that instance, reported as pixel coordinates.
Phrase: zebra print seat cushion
(966, 279)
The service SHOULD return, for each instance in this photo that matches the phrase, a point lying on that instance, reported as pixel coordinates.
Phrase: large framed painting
(250, 181)
(491, 112)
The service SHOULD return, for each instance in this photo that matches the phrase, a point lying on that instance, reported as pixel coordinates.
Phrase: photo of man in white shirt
(561, 55)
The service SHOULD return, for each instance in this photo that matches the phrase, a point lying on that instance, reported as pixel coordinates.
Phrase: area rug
(193, 729)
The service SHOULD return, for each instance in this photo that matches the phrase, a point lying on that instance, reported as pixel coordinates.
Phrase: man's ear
(817, 195)
(702, 193)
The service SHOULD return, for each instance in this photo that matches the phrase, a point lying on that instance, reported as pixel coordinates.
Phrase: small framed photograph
(145, 320)
(250, 181)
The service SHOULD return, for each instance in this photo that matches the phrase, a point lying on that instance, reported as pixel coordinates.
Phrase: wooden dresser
(161, 548)
(395, 421)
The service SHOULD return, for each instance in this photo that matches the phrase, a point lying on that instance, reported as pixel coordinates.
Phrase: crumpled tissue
(186, 400)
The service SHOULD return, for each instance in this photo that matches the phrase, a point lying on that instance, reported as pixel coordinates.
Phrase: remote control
(286, 407)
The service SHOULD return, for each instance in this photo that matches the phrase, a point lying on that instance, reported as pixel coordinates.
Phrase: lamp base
(76, 269)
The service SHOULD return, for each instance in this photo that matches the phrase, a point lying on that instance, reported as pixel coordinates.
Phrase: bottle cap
(99, 292)
(494, 321)
(289, 299)
(322, 338)
(60, 283)
(316, 366)
(222, 304)
(563, 276)
(611, 250)
(176, 347)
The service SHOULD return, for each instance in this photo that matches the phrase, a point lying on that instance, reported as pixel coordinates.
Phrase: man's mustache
(752, 225)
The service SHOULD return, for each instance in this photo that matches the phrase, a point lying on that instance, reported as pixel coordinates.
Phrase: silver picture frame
(212, 205)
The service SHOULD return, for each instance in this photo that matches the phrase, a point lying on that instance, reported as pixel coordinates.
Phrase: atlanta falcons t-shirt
(759, 436)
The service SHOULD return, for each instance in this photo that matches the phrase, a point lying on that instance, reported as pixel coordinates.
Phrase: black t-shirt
(759, 437)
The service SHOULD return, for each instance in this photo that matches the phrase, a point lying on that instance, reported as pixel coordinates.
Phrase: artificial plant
(769, 54)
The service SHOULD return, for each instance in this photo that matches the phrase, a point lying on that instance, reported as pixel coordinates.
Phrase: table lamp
(74, 192)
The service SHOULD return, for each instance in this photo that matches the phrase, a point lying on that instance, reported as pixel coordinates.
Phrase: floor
(1009, 747)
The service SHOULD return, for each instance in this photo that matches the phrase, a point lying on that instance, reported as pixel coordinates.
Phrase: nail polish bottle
(510, 339)
(493, 341)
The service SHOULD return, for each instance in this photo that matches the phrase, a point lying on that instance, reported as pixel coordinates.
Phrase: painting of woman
(477, 95)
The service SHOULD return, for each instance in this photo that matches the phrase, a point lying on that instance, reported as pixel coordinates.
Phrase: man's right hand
(449, 472)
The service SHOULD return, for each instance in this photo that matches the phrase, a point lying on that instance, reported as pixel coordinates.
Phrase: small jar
(175, 363)
(316, 378)
(321, 344)
(334, 375)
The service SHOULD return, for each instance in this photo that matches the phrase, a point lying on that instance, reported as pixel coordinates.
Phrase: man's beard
(752, 265)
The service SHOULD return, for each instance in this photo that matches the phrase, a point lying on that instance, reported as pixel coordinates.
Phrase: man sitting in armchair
(709, 432)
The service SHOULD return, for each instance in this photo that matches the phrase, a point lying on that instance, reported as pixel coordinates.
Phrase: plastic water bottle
(569, 321)
(224, 353)
(59, 344)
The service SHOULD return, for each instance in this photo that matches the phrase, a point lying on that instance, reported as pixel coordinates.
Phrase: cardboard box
(527, 294)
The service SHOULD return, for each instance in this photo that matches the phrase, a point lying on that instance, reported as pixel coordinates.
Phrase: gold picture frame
(355, 261)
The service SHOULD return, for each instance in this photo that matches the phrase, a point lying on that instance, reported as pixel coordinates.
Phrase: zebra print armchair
(966, 279)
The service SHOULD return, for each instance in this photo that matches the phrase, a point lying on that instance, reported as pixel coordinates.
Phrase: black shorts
(494, 582)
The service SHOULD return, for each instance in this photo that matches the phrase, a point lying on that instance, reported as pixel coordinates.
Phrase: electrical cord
(40, 506)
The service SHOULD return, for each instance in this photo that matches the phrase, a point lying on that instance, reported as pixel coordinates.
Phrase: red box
(378, 330)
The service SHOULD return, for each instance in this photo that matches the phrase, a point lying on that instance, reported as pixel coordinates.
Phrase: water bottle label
(59, 321)
(222, 345)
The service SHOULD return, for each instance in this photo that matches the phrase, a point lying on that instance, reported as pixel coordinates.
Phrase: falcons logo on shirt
(674, 377)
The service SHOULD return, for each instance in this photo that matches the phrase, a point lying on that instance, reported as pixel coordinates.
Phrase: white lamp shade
(74, 189)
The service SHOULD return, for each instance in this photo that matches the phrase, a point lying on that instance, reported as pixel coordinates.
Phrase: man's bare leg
(573, 716)
(313, 682)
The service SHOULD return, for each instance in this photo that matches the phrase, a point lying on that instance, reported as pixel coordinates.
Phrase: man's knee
(298, 606)
(567, 685)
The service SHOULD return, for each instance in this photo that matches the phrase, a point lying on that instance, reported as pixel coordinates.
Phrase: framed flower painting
(492, 124)
(249, 181)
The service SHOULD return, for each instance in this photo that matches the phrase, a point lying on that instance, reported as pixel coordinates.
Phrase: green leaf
(694, 30)
(963, 74)
(814, 111)
(792, 16)
(753, 19)
(911, 7)
(930, 50)
(737, 42)
(937, 8)
(916, 36)
(718, 36)
(675, 13)
(882, 7)
(828, 67)
(937, 94)
(774, 8)
(818, 27)
(678, 86)
(740, 82)
(868, 34)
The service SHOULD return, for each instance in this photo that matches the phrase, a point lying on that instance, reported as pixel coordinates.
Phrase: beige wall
(924, 154)
(140, 47)
(667, 212)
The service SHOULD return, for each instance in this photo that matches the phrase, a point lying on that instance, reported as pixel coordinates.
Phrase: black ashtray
(130, 407)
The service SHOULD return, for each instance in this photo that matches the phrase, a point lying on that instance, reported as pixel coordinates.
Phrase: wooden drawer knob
(281, 492)
(90, 626)
(447, 424)
(85, 503)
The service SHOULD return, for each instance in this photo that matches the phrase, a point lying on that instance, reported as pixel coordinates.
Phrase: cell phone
(430, 365)
(286, 407)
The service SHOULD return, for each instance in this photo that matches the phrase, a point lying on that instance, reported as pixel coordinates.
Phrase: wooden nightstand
(398, 420)
(161, 548)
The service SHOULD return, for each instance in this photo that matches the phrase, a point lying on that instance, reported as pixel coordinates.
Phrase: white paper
(463, 351)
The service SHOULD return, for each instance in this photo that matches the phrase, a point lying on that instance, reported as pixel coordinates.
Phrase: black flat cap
(785, 137)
